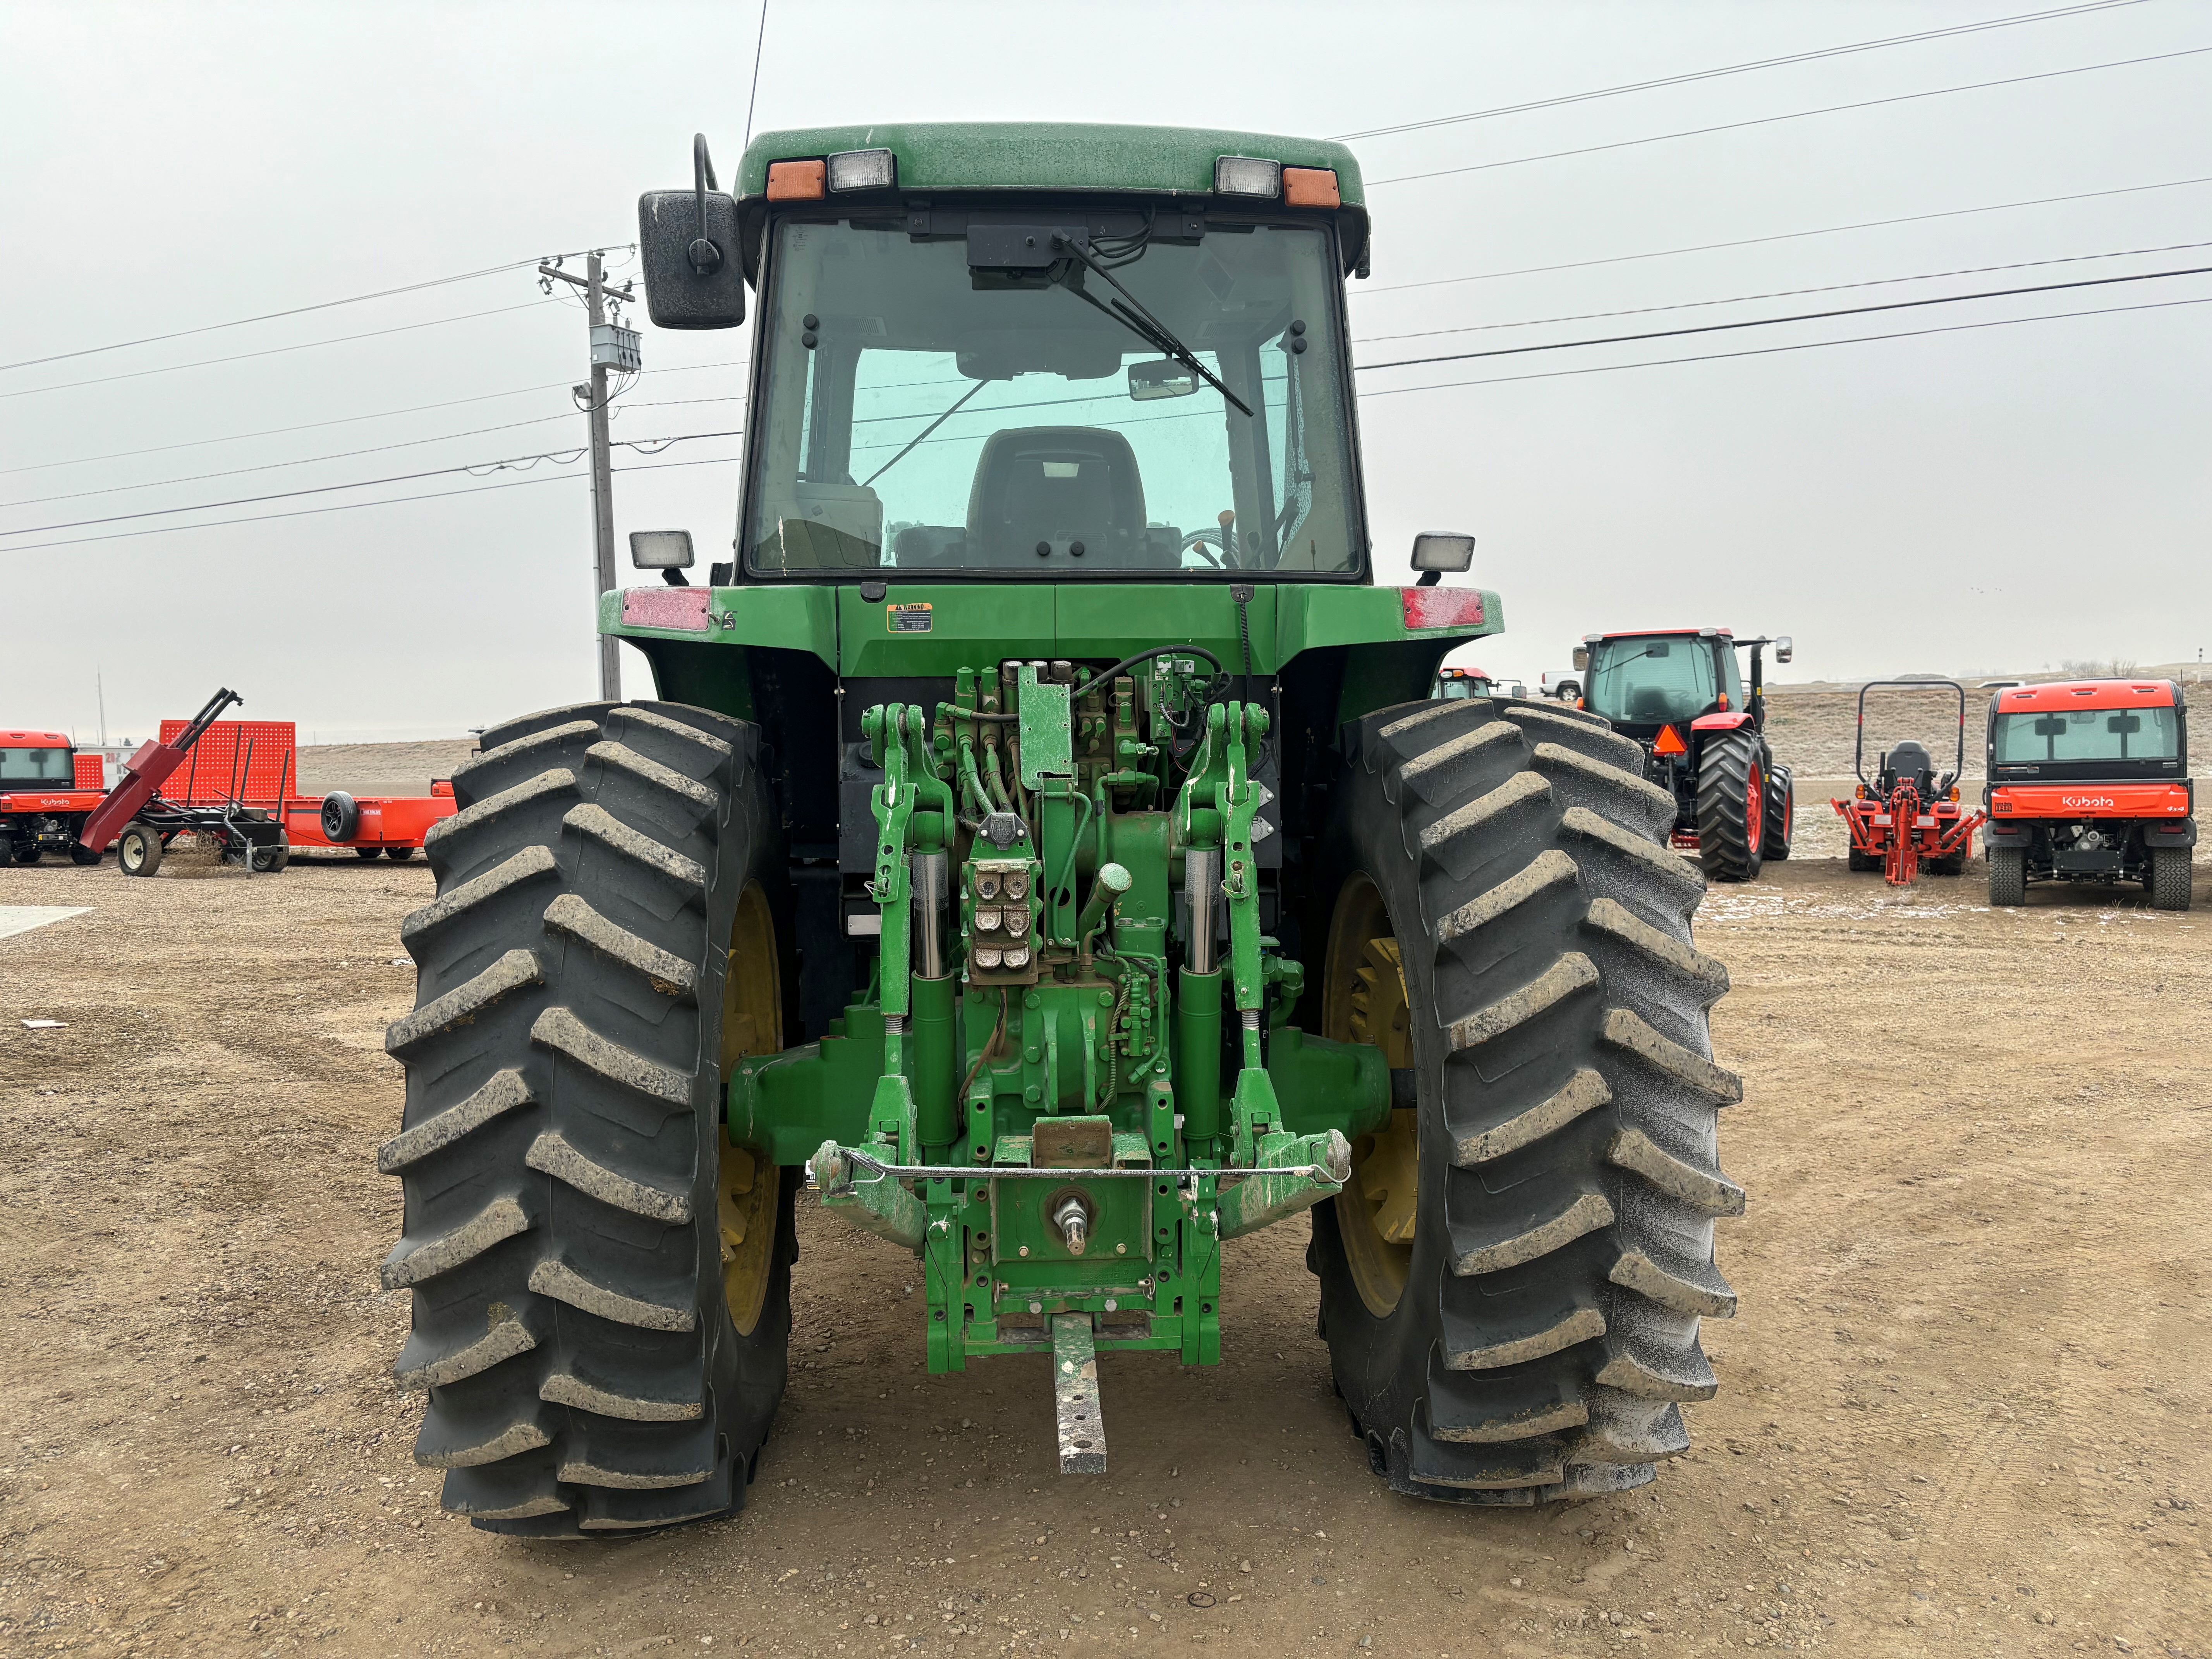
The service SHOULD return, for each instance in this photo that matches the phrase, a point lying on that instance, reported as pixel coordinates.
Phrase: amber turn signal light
(797, 181)
(1310, 187)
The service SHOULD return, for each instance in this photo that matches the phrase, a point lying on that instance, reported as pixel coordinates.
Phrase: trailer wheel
(27, 854)
(341, 817)
(367, 851)
(138, 850)
(2170, 874)
(1731, 806)
(601, 1282)
(399, 855)
(268, 861)
(1781, 813)
(2008, 876)
(1512, 1283)
(82, 854)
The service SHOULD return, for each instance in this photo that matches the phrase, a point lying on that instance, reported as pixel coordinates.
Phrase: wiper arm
(1131, 313)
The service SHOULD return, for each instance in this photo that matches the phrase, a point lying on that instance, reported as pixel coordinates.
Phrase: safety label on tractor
(908, 618)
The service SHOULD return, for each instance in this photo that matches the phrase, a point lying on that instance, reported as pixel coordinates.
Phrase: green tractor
(1046, 852)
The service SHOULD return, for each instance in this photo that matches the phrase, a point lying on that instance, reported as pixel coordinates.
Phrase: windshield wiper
(1131, 313)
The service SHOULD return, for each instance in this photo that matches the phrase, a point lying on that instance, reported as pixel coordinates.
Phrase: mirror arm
(705, 256)
(1429, 578)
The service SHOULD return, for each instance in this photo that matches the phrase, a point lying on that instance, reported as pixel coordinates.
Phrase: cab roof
(2090, 694)
(1657, 634)
(35, 740)
(1049, 155)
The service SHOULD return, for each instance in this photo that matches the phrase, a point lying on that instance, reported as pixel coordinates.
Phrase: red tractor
(1678, 692)
(1907, 816)
(2090, 781)
(47, 789)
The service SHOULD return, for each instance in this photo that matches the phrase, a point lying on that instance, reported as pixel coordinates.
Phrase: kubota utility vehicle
(1907, 816)
(1677, 691)
(2088, 781)
(1055, 889)
(46, 791)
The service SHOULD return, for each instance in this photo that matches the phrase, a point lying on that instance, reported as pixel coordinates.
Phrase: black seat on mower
(1909, 762)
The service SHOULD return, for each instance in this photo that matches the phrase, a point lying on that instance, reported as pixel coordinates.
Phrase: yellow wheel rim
(1364, 1000)
(752, 1023)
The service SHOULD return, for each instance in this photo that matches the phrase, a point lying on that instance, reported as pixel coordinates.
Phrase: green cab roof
(1033, 155)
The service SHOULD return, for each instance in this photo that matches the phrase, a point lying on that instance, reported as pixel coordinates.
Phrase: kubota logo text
(2086, 800)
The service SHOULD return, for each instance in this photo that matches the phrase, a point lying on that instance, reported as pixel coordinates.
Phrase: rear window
(51, 766)
(2087, 734)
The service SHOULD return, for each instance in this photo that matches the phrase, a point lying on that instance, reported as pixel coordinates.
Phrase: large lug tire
(2170, 874)
(138, 850)
(1731, 805)
(1781, 814)
(2008, 876)
(1511, 1284)
(602, 1284)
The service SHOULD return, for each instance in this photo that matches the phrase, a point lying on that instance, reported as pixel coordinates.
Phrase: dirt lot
(1963, 1408)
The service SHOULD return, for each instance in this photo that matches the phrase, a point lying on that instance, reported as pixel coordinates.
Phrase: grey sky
(1998, 498)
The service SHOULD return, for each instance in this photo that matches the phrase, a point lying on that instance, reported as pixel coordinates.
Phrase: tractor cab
(1679, 693)
(1456, 683)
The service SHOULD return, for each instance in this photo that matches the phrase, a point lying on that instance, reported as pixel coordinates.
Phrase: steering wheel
(1198, 540)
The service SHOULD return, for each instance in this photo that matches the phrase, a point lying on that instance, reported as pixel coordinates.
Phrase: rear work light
(1310, 187)
(1247, 175)
(794, 181)
(863, 169)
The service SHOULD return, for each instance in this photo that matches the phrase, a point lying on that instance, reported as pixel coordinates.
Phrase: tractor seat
(1058, 485)
(1909, 762)
(1650, 703)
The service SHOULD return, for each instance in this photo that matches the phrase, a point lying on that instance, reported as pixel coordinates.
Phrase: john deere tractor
(1044, 852)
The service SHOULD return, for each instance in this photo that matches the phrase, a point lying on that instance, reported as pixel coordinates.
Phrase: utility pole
(616, 347)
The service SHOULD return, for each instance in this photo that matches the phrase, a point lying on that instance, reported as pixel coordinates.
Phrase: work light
(1247, 175)
(863, 169)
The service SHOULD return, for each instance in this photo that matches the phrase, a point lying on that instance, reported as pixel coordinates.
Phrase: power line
(272, 316)
(479, 469)
(1781, 236)
(1735, 69)
(274, 351)
(1790, 115)
(1781, 292)
(350, 507)
(1799, 345)
(1801, 316)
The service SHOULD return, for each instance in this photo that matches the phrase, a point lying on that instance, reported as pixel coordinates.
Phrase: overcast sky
(1995, 498)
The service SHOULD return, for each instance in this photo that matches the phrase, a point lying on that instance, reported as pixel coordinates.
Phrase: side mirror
(687, 243)
(1582, 660)
(1163, 379)
(1784, 648)
(1442, 550)
(660, 549)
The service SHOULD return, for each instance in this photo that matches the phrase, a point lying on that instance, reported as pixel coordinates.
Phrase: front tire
(1512, 1284)
(1731, 806)
(602, 1283)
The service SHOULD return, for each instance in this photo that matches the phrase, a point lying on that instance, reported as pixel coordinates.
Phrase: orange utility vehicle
(2088, 781)
(46, 791)
(1907, 815)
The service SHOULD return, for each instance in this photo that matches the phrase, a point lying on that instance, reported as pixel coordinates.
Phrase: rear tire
(27, 854)
(1862, 862)
(1507, 922)
(82, 854)
(602, 1284)
(2171, 872)
(2008, 876)
(1781, 814)
(1730, 806)
(138, 850)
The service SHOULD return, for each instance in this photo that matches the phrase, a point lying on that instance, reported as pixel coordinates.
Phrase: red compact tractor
(1907, 816)
(1677, 691)
(2090, 781)
(1454, 684)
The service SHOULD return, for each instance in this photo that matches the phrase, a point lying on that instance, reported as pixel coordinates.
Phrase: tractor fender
(1732, 719)
(2180, 832)
(1997, 833)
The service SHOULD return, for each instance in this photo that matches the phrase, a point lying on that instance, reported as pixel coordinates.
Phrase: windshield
(2087, 734)
(919, 416)
(1649, 681)
(51, 766)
